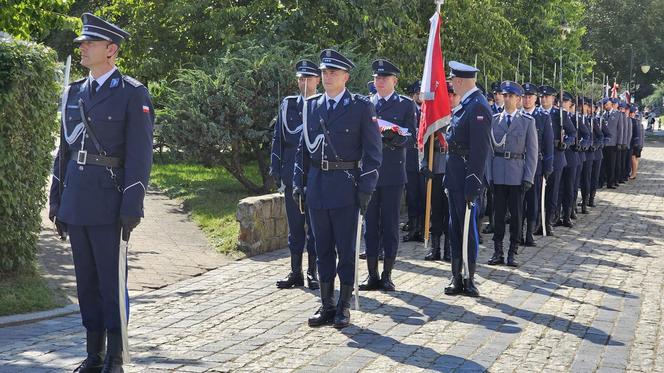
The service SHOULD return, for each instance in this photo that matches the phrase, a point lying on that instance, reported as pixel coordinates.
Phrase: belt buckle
(507, 155)
(324, 165)
(82, 157)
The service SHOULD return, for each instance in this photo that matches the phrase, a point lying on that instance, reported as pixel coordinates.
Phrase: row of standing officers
(337, 152)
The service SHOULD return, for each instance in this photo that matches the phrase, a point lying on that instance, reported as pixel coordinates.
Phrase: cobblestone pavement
(587, 300)
(165, 248)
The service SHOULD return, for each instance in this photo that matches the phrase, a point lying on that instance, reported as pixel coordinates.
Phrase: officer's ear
(112, 49)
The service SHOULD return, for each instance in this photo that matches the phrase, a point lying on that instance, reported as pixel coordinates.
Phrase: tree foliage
(34, 20)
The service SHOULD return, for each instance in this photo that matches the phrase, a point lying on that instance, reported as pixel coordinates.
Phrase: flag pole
(431, 139)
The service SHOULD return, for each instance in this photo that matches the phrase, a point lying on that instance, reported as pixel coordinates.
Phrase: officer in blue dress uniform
(497, 107)
(511, 172)
(107, 122)
(564, 136)
(589, 151)
(568, 180)
(533, 197)
(415, 186)
(469, 143)
(440, 211)
(627, 161)
(285, 140)
(611, 141)
(599, 128)
(620, 142)
(637, 140)
(580, 148)
(396, 120)
(498, 100)
(336, 171)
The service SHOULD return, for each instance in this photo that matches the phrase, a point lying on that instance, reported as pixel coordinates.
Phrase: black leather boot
(469, 288)
(497, 257)
(420, 229)
(372, 281)
(412, 231)
(591, 199)
(96, 349)
(113, 361)
(530, 239)
(548, 226)
(572, 214)
(434, 252)
(342, 316)
(386, 277)
(567, 221)
(312, 275)
(295, 277)
(325, 314)
(511, 255)
(456, 284)
(446, 249)
(584, 205)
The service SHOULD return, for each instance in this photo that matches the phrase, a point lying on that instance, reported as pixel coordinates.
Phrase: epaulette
(527, 115)
(78, 81)
(496, 115)
(291, 97)
(360, 97)
(133, 82)
(403, 97)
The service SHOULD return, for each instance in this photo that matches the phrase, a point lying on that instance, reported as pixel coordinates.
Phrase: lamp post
(631, 67)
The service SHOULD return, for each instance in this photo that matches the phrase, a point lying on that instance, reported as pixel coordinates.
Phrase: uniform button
(87, 136)
(89, 118)
(328, 132)
(347, 130)
(109, 118)
(70, 118)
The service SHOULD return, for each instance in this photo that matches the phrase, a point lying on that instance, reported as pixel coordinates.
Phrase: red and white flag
(614, 90)
(433, 92)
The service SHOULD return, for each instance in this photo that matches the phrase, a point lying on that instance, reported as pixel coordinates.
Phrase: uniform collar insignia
(346, 101)
(114, 82)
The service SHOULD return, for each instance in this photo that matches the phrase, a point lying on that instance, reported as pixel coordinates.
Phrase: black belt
(327, 166)
(510, 155)
(82, 157)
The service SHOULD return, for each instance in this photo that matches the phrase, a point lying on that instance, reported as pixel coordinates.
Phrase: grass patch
(25, 292)
(211, 195)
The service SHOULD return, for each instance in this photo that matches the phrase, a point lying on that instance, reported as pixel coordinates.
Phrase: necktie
(509, 120)
(94, 87)
(330, 105)
(380, 103)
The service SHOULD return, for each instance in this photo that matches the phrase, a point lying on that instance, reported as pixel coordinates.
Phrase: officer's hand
(363, 200)
(61, 227)
(526, 185)
(128, 224)
(298, 196)
(427, 173)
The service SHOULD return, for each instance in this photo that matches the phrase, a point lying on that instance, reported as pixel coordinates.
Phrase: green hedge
(29, 89)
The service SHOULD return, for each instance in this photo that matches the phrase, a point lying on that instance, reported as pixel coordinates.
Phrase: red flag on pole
(614, 90)
(436, 102)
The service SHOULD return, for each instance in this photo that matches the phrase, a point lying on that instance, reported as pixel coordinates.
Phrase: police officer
(396, 120)
(499, 101)
(628, 133)
(512, 169)
(415, 186)
(564, 135)
(568, 180)
(440, 212)
(637, 141)
(586, 172)
(581, 146)
(285, 139)
(533, 197)
(336, 171)
(611, 138)
(599, 129)
(620, 157)
(469, 145)
(107, 122)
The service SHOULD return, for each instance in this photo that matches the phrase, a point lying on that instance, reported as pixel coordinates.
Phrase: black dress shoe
(386, 283)
(497, 257)
(434, 252)
(113, 361)
(511, 256)
(456, 283)
(469, 288)
(292, 280)
(363, 255)
(568, 223)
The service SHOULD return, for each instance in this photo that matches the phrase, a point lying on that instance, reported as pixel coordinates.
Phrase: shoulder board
(315, 97)
(79, 81)
(293, 97)
(360, 97)
(131, 81)
(496, 115)
(405, 98)
(527, 115)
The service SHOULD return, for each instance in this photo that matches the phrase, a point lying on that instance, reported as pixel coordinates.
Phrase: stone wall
(263, 225)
